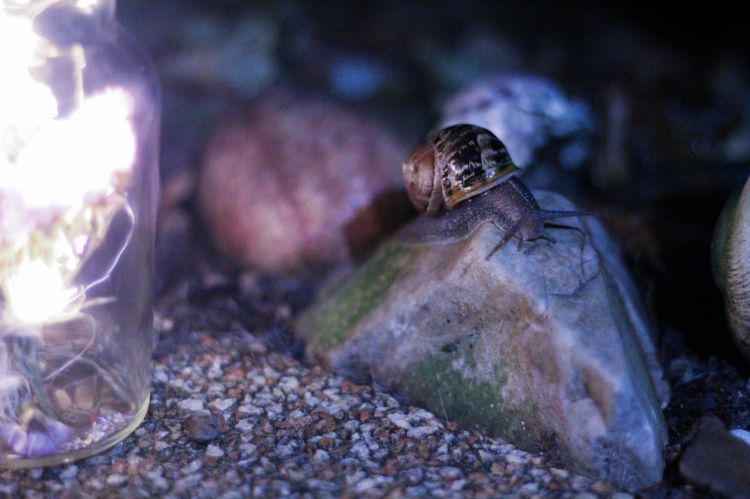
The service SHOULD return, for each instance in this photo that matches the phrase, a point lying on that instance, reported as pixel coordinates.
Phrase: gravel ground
(232, 414)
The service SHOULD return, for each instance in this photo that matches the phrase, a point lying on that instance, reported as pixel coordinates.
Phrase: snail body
(460, 162)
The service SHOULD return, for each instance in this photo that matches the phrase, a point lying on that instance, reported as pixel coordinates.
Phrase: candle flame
(36, 293)
(59, 175)
(77, 157)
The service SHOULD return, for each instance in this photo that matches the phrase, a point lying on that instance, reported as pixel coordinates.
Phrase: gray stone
(743, 435)
(202, 427)
(717, 460)
(191, 405)
(117, 480)
(526, 112)
(546, 345)
(214, 451)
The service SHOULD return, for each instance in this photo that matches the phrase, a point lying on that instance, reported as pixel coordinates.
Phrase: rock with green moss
(546, 345)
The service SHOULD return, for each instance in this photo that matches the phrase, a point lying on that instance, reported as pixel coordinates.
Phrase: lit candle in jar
(78, 181)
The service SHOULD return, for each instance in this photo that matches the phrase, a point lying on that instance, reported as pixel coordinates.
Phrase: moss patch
(446, 388)
(332, 320)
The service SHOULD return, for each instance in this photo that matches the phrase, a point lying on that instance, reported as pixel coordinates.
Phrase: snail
(460, 162)
(730, 255)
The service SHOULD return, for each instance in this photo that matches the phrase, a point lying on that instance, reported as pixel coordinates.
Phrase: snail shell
(455, 164)
(731, 265)
(463, 161)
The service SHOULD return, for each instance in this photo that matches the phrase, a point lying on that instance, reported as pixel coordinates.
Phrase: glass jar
(79, 124)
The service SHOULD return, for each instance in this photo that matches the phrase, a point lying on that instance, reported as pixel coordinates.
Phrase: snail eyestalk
(532, 227)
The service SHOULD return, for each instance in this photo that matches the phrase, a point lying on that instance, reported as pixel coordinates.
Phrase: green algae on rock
(546, 346)
(354, 299)
(437, 382)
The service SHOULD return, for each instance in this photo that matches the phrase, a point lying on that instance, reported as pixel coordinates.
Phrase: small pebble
(422, 431)
(743, 435)
(191, 405)
(514, 459)
(414, 475)
(244, 425)
(69, 472)
(450, 473)
(458, 485)
(529, 488)
(365, 485)
(117, 480)
(222, 404)
(202, 427)
(560, 473)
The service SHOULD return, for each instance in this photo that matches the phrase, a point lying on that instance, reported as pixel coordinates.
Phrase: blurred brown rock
(717, 460)
(297, 180)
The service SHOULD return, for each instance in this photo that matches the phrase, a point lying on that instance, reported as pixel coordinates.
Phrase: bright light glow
(88, 5)
(24, 102)
(36, 293)
(9, 383)
(53, 172)
(71, 161)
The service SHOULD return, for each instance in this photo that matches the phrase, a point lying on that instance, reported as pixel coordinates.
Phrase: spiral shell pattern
(456, 163)
(470, 160)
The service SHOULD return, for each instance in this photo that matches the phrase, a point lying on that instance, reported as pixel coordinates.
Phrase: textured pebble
(190, 405)
(222, 404)
(117, 480)
(69, 473)
(743, 435)
(202, 427)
